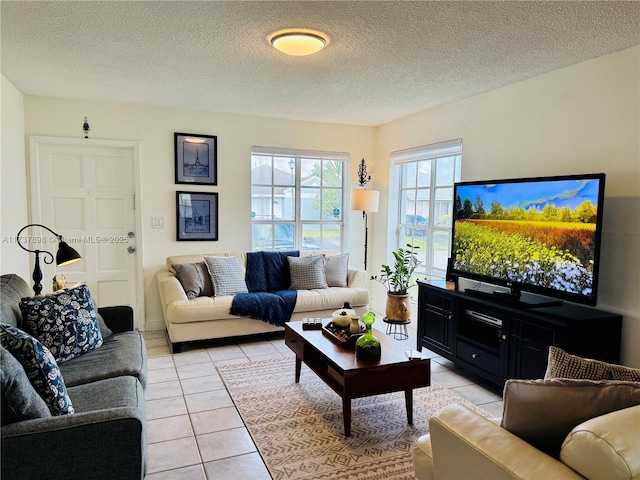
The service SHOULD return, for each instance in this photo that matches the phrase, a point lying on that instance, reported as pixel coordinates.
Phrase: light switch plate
(157, 222)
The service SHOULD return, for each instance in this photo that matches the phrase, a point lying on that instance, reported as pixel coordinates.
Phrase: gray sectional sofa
(106, 436)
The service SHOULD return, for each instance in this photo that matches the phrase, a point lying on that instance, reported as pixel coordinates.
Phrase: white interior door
(85, 190)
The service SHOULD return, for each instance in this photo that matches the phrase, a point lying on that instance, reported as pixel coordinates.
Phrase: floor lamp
(365, 201)
(64, 256)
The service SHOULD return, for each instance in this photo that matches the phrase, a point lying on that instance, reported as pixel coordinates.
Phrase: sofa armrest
(170, 288)
(467, 445)
(118, 318)
(357, 278)
(101, 444)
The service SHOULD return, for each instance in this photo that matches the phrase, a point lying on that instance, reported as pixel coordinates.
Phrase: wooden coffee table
(350, 377)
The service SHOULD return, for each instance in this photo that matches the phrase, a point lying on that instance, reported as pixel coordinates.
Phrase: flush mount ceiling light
(298, 42)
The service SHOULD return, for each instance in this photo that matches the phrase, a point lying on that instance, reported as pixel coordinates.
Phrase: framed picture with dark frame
(196, 159)
(196, 216)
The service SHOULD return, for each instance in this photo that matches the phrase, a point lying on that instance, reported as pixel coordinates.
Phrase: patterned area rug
(298, 428)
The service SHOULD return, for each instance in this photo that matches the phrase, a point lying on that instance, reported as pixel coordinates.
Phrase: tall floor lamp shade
(365, 201)
(65, 255)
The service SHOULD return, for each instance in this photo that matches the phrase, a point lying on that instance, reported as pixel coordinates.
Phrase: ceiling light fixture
(298, 42)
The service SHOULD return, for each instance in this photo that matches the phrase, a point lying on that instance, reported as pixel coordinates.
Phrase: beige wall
(580, 119)
(13, 175)
(154, 128)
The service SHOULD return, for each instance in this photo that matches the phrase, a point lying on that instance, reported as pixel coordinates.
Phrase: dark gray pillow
(336, 268)
(195, 279)
(20, 401)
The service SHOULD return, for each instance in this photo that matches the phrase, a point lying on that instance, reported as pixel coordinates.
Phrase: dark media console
(498, 337)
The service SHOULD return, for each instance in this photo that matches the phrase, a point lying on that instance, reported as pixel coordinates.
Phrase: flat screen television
(537, 236)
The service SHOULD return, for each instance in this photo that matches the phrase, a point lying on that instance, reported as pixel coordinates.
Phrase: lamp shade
(365, 200)
(66, 255)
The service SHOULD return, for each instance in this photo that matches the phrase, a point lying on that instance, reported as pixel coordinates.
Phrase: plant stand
(397, 328)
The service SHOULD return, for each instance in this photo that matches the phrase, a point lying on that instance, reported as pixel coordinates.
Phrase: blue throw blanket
(273, 307)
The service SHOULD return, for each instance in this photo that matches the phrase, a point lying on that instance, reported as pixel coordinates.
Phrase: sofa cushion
(20, 401)
(227, 276)
(336, 269)
(607, 446)
(561, 364)
(543, 412)
(108, 393)
(307, 273)
(40, 367)
(64, 321)
(122, 354)
(195, 279)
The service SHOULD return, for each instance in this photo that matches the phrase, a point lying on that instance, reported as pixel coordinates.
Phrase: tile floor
(194, 430)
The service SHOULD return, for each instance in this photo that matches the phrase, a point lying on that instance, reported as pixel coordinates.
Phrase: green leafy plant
(399, 279)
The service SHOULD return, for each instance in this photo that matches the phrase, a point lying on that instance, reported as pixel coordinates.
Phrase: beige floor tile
(160, 362)
(195, 472)
(215, 420)
(154, 391)
(196, 370)
(158, 351)
(226, 352)
(173, 454)
(202, 384)
(249, 466)
(257, 358)
(199, 402)
(232, 361)
(162, 375)
(477, 394)
(155, 342)
(165, 407)
(258, 348)
(153, 334)
(493, 408)
(450, 379)
(228, 443)
(191, 357)
(169, 428)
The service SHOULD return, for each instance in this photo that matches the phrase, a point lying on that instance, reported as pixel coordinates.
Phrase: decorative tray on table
(341, 335)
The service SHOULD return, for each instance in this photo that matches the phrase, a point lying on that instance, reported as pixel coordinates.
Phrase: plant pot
(398, 307)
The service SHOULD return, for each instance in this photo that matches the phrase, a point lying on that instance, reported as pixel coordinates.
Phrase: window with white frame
(297, 199)
(425, 202)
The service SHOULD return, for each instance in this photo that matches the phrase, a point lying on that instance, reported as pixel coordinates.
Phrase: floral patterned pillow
(40, 366)
(65, 322)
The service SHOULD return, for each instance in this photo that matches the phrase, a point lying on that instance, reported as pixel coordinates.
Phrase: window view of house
(425, 202)
(297, 200)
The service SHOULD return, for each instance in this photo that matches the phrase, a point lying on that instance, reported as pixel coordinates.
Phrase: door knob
(131, 234)
(131, 249)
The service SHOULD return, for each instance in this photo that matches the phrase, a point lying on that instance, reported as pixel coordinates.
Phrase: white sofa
(204, 318)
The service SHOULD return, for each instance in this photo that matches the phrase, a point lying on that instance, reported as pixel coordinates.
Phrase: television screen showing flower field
(539, 233)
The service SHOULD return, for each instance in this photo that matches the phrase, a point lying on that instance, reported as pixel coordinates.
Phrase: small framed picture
(196, 216)
(196, 159)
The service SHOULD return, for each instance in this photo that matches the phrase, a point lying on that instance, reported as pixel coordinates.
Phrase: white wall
(13, 176)
(154, 128)
(580, 119)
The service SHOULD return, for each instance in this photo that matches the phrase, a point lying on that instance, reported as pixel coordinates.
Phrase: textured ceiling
(386, 59)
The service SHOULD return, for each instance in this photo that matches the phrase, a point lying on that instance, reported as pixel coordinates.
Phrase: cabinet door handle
(504, 337)
(474, 355)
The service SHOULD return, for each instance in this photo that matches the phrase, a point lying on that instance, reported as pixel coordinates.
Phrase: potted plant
(398, 280)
